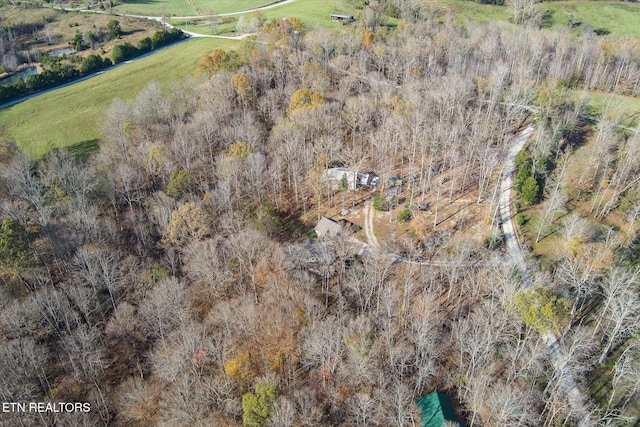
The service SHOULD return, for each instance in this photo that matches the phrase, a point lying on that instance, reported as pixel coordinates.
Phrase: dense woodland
(164, 280)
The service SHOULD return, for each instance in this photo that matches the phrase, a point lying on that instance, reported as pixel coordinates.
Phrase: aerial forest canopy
(169, 279)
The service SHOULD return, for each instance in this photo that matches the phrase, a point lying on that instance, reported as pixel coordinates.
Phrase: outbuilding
(345, 19)
(436, 409)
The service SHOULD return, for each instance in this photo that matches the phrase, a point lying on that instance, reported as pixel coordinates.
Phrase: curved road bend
(267, 6)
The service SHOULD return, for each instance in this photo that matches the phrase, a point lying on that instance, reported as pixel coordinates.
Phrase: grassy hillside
(72, 116)
(188, 8)
(470, 10)
(311, 12)
(622, 109)
(615, 17)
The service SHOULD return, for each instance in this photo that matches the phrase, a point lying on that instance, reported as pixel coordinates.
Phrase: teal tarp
(435, 409)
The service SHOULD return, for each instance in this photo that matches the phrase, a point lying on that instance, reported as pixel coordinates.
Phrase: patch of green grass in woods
(471, 10)
(312, 13)
(616, 17)
(622, 109)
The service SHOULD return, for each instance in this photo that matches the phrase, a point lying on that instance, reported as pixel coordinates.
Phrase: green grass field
(623, 109)
(72, 117)
(313, 13)
(617, 17)
(202, 26)
(189, 8)
(12, 15)
(470, 10)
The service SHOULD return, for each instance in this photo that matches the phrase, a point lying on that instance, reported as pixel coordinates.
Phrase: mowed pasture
(73, 116)
(621, 109)
(312, 13)
(615, 17)
(189, 8)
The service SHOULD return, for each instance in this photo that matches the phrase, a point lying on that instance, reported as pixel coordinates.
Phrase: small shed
(435, 409)
(395, 181)
(327, 227)
(393, 191)
(342, 18)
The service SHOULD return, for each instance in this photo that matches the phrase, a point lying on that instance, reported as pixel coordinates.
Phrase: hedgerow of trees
(56, 73)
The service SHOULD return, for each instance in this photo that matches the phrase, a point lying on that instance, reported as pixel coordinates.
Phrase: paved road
(166, 24)
(513, 248)
(556, 353)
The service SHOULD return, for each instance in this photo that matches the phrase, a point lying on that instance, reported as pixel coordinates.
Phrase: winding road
(168, 25)
(556, 354)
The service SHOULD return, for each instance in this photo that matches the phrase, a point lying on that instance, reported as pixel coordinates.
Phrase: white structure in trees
(354, 179)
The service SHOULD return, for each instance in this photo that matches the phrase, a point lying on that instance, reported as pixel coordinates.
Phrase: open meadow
(614, 17)
(611, 17)
(311, 12)
(189, 8)
(622, 109)
(72, 116)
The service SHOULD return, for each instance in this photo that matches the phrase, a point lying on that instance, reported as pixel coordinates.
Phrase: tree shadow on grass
(547, 18)
(134, 31)
(82, 150)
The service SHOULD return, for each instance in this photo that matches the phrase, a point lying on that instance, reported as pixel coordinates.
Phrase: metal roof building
(436, 409)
